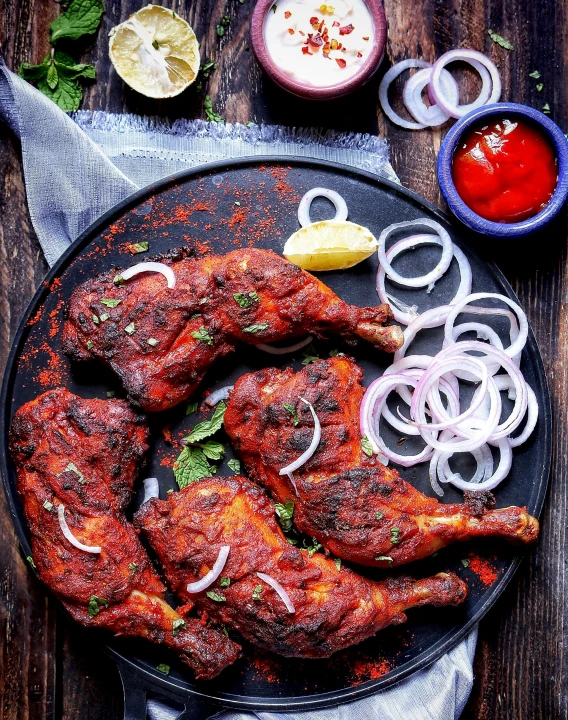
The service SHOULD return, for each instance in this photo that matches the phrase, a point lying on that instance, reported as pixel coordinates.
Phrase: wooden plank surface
(521, 670)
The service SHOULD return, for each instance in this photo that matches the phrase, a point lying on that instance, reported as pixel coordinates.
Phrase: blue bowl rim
(464, 213)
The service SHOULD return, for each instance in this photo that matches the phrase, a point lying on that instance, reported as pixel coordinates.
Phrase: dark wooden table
(47, 668)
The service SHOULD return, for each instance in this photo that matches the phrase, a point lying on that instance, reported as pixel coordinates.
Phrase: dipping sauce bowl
(537, 151)
(319, 51)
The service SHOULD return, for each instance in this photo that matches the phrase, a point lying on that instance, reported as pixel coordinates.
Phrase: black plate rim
(336, 697)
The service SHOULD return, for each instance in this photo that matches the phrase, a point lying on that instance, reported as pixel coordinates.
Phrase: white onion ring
(275, 585)
(95, 549)
(305, 456)
(433, 275)
(305, 203)
(516, 347)
(412, 97)
(403, 314)
(503, 468)
(213, 574)
(151, 489)
(467, 56)
(143, 267)
(274, 350)
(216, 396)
(388, 77)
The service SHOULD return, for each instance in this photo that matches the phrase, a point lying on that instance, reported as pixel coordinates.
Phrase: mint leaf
(385, 558)
(191, 408)
(535, 74)
(190, 466)
(67, 94)
(110, 302)
(225, 582)
(337, 562)
(82, 17)
(308, 359)
(95, 605)
(395, 535)
(208, 427)
(33, 73)
(210, 114)
(178, 625)
(213, 450)
(130, 329)
(217, 597)
(235, 465)
(257, 592)
(312, 547)
(52, 78)
(285, 514)
(70, 69)
(163, 668)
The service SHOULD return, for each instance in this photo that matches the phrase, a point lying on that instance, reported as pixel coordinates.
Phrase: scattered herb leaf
(210, 114)
(191, 408)
(110, 302)
(30, 559)
(163, 668)
(129, 329)
(138, 247)
(535, 74)
(539, 87)
(225, 582)
(217, 597)
(386, 558)
(82, 17)
(208, 427)
(337, 562)
(178, 625)
(292, 410)
(71, 467)
(379, 515)
(48, 505)
(152, 341)
(312, 547)
(465, 562)
(90, 344)
(257, 327)
(395, 535)
(235, 465)
(308, 359)
(110, 393)
(191, 465)
(104, 317)
(285, 514)
(273, 8)
(202, 335)
(257, 592)
(95, 605)
(366, 445)
(133, 567)
(335, 353)
(118, 280)
(546, 109)
(499, 40)
(95, 319)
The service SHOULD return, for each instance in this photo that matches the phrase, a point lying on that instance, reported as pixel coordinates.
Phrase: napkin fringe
(254, 134)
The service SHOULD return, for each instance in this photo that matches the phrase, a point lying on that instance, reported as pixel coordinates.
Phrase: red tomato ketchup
(506, 171)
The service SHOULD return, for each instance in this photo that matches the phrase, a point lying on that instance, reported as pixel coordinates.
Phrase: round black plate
(253, 202)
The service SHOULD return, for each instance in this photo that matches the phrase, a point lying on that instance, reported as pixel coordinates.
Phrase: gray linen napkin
(77, 169)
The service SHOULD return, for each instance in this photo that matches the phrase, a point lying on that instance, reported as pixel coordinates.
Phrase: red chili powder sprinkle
(238, 217)
(267, 668)
(370, 669)
(167, 434)
(484, 569)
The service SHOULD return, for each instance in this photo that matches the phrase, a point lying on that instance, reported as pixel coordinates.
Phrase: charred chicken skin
(161, 341)
(356, 507)
(333, 608)
(84, 454)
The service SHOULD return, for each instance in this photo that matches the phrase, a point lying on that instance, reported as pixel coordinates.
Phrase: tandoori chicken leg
(332, 607)
(83, 455)
(162, 340)
(356, 507)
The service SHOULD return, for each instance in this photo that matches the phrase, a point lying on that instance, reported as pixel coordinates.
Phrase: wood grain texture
(49, 667)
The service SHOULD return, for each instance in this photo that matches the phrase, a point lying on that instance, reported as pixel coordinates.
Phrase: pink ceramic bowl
(311, 92)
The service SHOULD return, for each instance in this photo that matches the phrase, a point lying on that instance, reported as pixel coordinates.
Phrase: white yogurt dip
(319, 44)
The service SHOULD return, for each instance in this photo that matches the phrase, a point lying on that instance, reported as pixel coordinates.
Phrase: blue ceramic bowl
(457, 205)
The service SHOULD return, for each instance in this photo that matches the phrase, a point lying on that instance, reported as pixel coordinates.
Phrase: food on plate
(298, 436)
(155, 52)
(505, 170)
(277, 596)
(443, 90)
(161, 340)
(76, 460)
(318, 44)
(330, 245)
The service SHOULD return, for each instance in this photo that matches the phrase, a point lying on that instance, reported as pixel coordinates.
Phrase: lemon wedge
(330, 245)
(155, 52)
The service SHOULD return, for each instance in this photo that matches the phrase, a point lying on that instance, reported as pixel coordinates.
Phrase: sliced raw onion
(275, 585)
(305, 456)
(433, 115)
(391, 75)
(403, 313)
(95, 549)
(156, 267)
(503, 468)
(490, 93)
(433, 275)
(275, 350)
(306, 201)
(151, 489)
(216, 396)
(213, 574)
(516, 347)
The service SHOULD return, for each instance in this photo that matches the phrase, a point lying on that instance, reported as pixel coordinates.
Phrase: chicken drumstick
(161, 341)
(356, 507)
(333, 607)
(83, 455)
